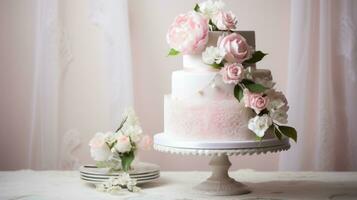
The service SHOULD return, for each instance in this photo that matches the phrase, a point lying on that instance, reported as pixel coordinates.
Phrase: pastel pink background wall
(149, 20)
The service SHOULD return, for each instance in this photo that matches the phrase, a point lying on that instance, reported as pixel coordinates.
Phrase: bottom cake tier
(205, 119)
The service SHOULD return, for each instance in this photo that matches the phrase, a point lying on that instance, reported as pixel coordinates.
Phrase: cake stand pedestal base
(220, 183)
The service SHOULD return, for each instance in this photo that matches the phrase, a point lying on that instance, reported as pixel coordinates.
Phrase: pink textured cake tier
(205, 119)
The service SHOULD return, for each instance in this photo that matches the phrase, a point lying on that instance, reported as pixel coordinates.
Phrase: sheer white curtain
(112, 17)
(52, 143)
(44, 147)
(322, 85)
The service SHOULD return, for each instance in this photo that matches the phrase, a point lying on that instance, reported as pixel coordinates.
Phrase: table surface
(43, 185)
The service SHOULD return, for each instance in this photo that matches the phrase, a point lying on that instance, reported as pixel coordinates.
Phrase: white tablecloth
(41, 185)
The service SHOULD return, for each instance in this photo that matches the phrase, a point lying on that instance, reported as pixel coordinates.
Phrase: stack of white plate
(142, 172)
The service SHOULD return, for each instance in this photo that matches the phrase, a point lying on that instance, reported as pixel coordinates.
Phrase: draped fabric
(52, 140)
(112, 17)
(322, 85)
(43, 151)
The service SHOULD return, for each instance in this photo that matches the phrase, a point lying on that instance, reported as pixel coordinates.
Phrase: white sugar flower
(100, 187)
(110, 137)
(278, 106)
(115, 184)
(123, 144)
(280, 116)
(259, 124)
(131, 118)
(262, 77)
(278, 100)
(134, 132)
(124, 178)
(98, 147)
(213, 55)
(210, 8)
(131, 185)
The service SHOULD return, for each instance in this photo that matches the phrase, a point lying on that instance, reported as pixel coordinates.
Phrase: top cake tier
(194, 61)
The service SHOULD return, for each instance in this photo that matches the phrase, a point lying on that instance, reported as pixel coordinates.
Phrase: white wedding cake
(219, 95)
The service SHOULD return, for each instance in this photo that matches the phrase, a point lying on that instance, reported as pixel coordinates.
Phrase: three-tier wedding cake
(219, 95)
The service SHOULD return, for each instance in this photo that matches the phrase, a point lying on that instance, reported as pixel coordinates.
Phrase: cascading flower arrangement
(235, 59)
(116, 150)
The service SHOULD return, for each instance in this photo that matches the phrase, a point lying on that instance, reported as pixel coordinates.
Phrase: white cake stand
(219, 183)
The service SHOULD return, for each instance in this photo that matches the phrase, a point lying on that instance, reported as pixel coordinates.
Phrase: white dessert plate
(138, 169)
(103, 179)
(163, 140)
(116, 173)
(139, 181)
(107, 177)
(142, 172)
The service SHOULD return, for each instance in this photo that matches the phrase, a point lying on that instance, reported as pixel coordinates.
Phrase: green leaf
(126, 160)
(289, 132)
(265, 111)
(213, 26)
(217, 66)
(256, 57)
(102, 164)
(238, 92)
(276, 132)
(121, 124)
(247, 81)
(259, 139)
(173, 52)
(254, 87)
(197, 8)
(110, 146)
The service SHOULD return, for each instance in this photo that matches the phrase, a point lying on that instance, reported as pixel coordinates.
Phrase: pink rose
(232, 73)
(236, 47)
(188, 33)
(255, 101)
(123, 144)
(225, 20)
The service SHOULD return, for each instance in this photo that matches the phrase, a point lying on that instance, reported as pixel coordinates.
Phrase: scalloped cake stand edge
(219, 183)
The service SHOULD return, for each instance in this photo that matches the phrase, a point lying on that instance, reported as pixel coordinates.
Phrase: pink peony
(225, 21)
(98, 141)
(255, 101)
(232, 73)
(188, 33)
(236, 47)
(99, 150)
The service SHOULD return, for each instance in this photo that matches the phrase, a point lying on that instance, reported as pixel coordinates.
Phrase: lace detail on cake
(207, 119)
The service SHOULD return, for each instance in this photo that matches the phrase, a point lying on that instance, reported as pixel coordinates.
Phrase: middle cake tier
(187, 83)
(202, 108)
